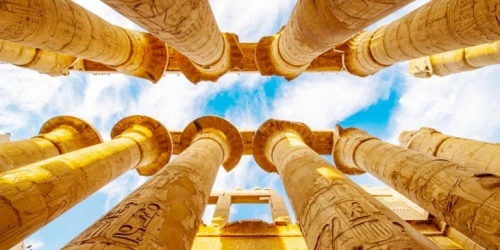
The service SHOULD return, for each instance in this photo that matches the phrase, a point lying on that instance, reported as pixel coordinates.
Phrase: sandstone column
(465, 198)
(164, 213)
(190, 28)
(59, 135)
(438, 26)
(222, 210)
(34, 195)
(332, 211)
(482, 156)
(316, 27)
(456, 61)
(43, 61)
(65, 27)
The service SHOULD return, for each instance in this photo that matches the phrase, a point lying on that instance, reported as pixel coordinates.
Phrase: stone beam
(456, 61)
(59, 135)
(34, 195)
(332, 211)
(436, 27)
(465, 198)
(165, 212)
(314, 28)
(482, 156)
(65, 27)
(43, 61)
(190, 28)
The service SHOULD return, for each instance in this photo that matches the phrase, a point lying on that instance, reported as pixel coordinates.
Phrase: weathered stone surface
(63, 26)
(34, 195)
(465, 198)
(438, 26)
(332, 211)
(482, 156)
(165, 212)
(59, 135)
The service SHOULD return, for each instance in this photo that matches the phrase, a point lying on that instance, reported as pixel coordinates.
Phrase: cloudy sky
(384, 104)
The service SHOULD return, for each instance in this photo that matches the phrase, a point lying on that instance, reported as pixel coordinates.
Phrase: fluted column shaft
(64, 26)
(479, 155)
(332, 211)
(436, 27)
(34, 195)
(465, 198)
(59, 135)
(164, 213)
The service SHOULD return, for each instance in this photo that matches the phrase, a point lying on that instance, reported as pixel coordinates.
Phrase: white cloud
(34, 243)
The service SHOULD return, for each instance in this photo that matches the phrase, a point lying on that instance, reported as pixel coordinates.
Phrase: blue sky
(384, 104)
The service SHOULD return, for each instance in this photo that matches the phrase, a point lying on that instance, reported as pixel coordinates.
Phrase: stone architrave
(482, 156)
(34, 195)
(190, 28)
(332, 211)
(438, 26)
(43, 61)
(65, 27)
(457, 61)
(465, 198)
(59, 135)
(316, 27)
(165, 212)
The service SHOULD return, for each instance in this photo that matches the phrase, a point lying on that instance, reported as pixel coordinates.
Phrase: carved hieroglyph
(164, 213)
(463, 197)
(59, 135)
(438, 26)
(457, 61)
(332, 211)
(64, 26)
(188, 26)
(43, 61)
(482, 156)
(314, 28)
(34, 195)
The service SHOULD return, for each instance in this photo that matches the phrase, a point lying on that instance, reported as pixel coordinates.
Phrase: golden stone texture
(332, 211)
(475, 154)
(58, 135)
(190, 28)
(165, 212)
(34, 195)
(65, 27)
(43, 61)
(465, 198)
(456, 61)
(316, 27)
(438, 26)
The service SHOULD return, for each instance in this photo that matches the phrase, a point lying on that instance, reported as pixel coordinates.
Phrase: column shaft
(479, 155)
(464, 198)
(164, 213)
(222, 210)
(438, 26)
(64, 26)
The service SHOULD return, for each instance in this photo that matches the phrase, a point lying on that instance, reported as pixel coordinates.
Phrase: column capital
(223, 129)
(413, 140)
(158, 139)
(349, 139)
(88, 135)
(267, 131)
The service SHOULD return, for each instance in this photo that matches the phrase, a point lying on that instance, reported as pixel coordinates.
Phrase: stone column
(65, 27)
(316, 27)
(165, 212)
(43, 61)
(332, 211)
(456, 61)
(59, 135)
(465, 198)
(34, 195)
(479, 155)
(436, 27)
(278, 208)
(190, 28)
(222, 210)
